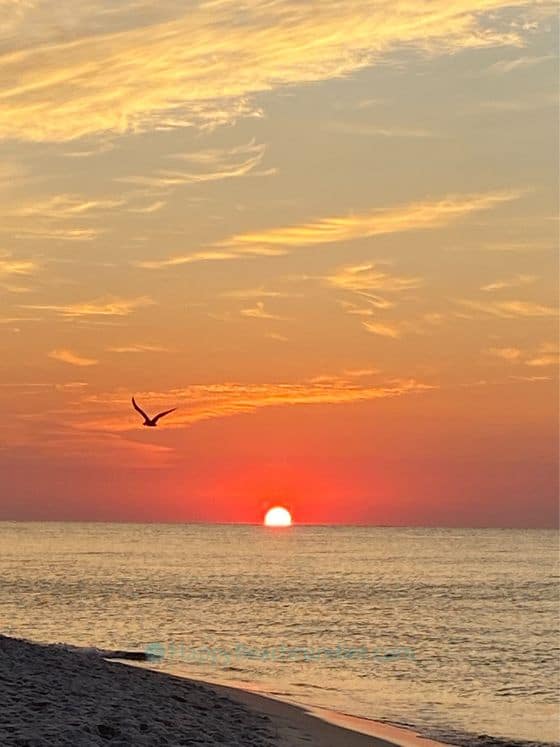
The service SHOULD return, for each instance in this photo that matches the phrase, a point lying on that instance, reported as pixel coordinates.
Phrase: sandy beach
(55, 697)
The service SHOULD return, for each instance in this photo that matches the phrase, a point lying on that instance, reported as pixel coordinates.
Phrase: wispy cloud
(259, 312)
(546, 355)
(67, 356)
(376, 222)
(209, 255)
(138, 348)
(506, 354)
(370, 276)
(99, 307)
(509, 309)
(372, 130)
(516, 281)
(64, 206)
(60, 217)
(519, 63)
(201, 66)
(248, 294)
(206, 166)
(13, 270)
(10, 265)
(383, 329)
(202, 402)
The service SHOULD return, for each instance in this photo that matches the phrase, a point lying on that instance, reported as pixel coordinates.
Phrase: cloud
(187, 259)
(546, 355)
(250, 293)
(509, 309)
(370, 277)
(64, 206)
(361, 372)
(276, 336)
(67, 356)
(97, 69)
(370, 130)
(507, 66)
(203, 402)
(383, 329)
(57, 217)
(258, 312)
(150, 207)
(139, 348)
(507, 354)
(375, 222)
(531, 378)
(516, 281)
(213, 165)
(100, 307)
(11, 266)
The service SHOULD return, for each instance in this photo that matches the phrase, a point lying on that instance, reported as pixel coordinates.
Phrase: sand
(51, 696)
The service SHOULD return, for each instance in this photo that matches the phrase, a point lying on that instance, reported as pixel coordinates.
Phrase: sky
(325, 231)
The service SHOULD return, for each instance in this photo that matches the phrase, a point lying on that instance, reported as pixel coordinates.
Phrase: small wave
(108, 653)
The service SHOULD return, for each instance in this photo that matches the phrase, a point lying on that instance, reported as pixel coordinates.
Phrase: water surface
(452, 631)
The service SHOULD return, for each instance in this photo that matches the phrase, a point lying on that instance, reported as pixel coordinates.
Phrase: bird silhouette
(150, 422)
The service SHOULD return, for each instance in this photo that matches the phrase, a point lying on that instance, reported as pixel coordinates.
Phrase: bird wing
(139, 409)
(161, 414)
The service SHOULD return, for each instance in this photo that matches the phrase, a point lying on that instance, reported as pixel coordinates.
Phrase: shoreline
(326, 726)
(52, 695)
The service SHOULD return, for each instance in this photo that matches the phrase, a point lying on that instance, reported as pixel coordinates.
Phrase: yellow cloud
(514, 282)
(368, 277)
(258, 312)
(383, 329)
(279, 241)
(56, 217)
(11, 266)
(67, 356)
(376, 222)
(99, 307)
(216, 165)
(510, 309)
(204, 66)
(138, 348)
(64, 206)
(547, 355)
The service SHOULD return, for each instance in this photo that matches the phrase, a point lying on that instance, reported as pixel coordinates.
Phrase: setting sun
(278, 517)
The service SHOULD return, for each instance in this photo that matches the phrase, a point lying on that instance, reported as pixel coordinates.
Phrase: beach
(51, 696)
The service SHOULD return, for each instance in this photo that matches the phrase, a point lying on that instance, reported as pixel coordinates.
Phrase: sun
(278, 517)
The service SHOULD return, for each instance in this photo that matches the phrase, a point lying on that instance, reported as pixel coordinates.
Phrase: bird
(150, 422)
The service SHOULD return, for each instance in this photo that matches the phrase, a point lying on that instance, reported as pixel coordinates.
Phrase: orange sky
(326, 232)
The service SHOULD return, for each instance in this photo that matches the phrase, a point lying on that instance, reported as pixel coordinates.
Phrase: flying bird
(150, 422)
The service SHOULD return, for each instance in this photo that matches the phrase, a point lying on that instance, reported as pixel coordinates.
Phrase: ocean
(451, 631)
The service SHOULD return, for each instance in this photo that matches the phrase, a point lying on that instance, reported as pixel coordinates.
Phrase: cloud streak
(375, 222)
(212, 165)
(73, 359)
(97, 308)
(510, 309)
(204, 402)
